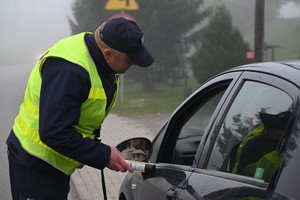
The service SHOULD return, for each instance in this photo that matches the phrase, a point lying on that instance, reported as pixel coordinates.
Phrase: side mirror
(137, 149)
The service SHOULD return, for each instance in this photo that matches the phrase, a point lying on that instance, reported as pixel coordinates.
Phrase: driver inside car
(258, 154)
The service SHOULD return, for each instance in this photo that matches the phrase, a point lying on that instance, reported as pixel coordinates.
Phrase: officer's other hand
(116, 161)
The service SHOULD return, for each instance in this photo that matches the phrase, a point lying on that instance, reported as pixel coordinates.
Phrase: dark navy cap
(125, 36)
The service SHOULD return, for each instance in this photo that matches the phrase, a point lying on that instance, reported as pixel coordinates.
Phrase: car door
(175, 147)
(215, 177)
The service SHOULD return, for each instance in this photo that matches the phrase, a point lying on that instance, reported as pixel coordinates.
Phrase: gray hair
(100, 42)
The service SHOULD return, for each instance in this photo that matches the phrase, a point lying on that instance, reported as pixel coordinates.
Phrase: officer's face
(119, 62)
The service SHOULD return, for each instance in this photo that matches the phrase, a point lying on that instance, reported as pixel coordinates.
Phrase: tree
(164, 23)
(88, 14)
(221, 46)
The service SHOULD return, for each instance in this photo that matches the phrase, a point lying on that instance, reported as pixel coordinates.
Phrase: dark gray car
(236, 137)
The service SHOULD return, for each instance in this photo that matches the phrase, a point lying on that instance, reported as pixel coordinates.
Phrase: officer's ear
(107, 53)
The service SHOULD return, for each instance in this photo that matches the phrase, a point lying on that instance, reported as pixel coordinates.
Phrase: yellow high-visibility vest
(93, 110)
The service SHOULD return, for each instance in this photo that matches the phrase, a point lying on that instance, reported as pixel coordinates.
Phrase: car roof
(289, 70)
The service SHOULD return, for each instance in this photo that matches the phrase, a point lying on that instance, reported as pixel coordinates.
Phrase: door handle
(172, 193)
(133, 186)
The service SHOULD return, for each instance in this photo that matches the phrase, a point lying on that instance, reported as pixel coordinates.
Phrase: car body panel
(193, 179)
(166, 180)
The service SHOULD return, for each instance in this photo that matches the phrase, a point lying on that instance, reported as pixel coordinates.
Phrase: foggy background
(27, 29)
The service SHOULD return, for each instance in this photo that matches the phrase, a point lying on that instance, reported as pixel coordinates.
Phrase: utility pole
(259, 29)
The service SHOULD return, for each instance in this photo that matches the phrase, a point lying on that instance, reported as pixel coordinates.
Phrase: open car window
(193, 129)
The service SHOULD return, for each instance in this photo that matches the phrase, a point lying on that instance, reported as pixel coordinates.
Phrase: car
(235, 137)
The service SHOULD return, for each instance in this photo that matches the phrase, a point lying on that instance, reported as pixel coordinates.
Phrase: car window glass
(193, 130)
(250, 136)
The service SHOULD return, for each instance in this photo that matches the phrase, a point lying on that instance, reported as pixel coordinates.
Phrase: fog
(28, 28)
(290, 10)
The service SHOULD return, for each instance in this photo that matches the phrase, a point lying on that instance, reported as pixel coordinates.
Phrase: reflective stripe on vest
(93, 110)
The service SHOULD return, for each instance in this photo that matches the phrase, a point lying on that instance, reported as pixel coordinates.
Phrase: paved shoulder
(86, 182)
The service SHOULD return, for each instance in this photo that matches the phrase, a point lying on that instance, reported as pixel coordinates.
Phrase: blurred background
(191, 41)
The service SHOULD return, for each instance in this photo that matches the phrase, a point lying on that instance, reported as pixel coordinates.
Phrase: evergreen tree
(87, 15)
(221, 46)
(164, 23)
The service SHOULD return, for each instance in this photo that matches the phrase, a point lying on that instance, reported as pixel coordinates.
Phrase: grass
(162, 99)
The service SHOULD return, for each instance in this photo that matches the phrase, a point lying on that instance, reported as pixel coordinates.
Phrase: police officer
(70, 91)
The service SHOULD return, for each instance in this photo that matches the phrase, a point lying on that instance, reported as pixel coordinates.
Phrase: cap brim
(141, 58)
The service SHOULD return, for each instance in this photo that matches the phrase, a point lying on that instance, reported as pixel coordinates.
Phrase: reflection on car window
(192, 131)
(249, 140)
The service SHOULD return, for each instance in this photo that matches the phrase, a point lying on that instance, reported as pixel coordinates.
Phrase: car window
(193, 130)
(249, 140)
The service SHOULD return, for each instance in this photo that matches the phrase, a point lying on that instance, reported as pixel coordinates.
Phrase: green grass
(162, 99)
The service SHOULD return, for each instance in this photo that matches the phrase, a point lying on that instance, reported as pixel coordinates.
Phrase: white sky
(32, 25)
(290, 10)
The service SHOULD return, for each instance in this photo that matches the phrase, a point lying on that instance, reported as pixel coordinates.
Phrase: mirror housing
(137, 149)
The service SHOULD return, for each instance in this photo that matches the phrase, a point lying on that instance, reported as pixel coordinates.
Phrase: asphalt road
(12, 84)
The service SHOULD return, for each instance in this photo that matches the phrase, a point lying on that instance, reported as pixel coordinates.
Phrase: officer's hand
(116, 161)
